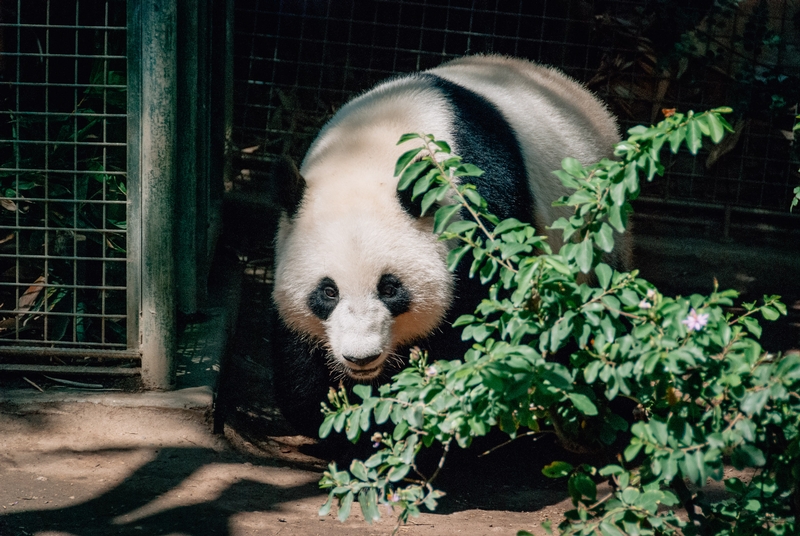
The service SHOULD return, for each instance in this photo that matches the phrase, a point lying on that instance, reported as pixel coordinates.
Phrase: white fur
(350, 227)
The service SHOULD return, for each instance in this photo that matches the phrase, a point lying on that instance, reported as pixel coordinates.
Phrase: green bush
(706, 392)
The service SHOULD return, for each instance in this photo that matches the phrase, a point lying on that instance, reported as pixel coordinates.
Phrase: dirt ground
(87, 469)
(92, 469)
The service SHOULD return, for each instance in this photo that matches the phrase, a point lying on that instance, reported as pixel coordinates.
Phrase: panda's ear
(290, 185)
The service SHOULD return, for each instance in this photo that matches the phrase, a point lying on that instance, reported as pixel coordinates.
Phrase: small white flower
(431, 371)
(644, 304)
(695, 321)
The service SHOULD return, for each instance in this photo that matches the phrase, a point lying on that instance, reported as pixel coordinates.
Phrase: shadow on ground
(132, 506)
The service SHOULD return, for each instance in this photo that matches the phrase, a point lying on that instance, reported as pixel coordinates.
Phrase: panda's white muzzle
(359, 334)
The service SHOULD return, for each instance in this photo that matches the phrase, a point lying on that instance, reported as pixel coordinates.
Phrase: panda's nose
(361, 361)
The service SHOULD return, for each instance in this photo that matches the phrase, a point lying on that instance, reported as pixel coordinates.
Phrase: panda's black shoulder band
(483, 137)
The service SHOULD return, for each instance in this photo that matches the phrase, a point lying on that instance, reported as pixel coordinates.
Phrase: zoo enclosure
(297, 61)
(113, 125)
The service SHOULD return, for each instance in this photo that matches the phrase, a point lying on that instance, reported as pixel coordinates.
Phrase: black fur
(484, 138)
(394, 295)
(320, 303)
(290, 185)
(302, 378)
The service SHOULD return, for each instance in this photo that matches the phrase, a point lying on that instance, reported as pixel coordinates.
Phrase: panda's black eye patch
(394, 295)
(323, 299)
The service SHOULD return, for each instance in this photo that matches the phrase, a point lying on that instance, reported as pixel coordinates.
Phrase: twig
(501, 445)
(30, 382)
(74, 384)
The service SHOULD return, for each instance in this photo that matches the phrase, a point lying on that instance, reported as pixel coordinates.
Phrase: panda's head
(355, 273)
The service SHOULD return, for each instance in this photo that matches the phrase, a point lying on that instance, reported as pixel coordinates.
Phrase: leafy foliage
(705, 390)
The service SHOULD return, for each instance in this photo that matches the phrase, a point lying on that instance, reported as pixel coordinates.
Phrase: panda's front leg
(301, 378)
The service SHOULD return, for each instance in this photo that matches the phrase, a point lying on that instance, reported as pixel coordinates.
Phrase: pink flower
(695, 321)
(431, 371)
(394, 497)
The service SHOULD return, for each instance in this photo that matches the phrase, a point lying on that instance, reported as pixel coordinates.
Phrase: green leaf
(591, 370)
(325, 508)
(605, 238)
(716, 127)
(557, 469)
(382, 411)
(583, 404)
(344, 507)
(461, 226)
(584, 255)
(694, 137)
(411, 174)
(769, 313)
(363, 391)
(473, 197)
(608, 529)
(444, 146)
(573, 167)
(567, 179)
(584, 485)
(468, 170)
(422, 185)
(455, 256)
(603, 273)
(615, 217)
(327, 425)
(359, 470)
(676, 138)
(368, 499)
(398, 472)
(747, 456)
(508, 225)
(406, 158)
(428, 200)
(631, 451)
(754, 401)
(630, 495)
(409, 136)
(442, 217)
(631, 180)
(752, 325)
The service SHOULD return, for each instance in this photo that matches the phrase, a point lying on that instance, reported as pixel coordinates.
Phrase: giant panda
(359, 275)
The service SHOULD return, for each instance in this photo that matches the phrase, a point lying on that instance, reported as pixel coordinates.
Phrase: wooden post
(190, 112)
(152, 110)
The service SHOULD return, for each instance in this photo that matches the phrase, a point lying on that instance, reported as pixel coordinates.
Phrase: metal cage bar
(63, 181)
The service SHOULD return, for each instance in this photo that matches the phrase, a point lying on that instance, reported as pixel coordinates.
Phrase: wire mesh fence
(63, 181)
(297, 61)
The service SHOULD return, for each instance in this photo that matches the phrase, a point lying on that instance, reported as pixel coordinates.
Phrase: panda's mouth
(364, 374)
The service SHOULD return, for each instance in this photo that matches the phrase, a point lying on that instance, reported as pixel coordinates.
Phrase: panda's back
(512, 118)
